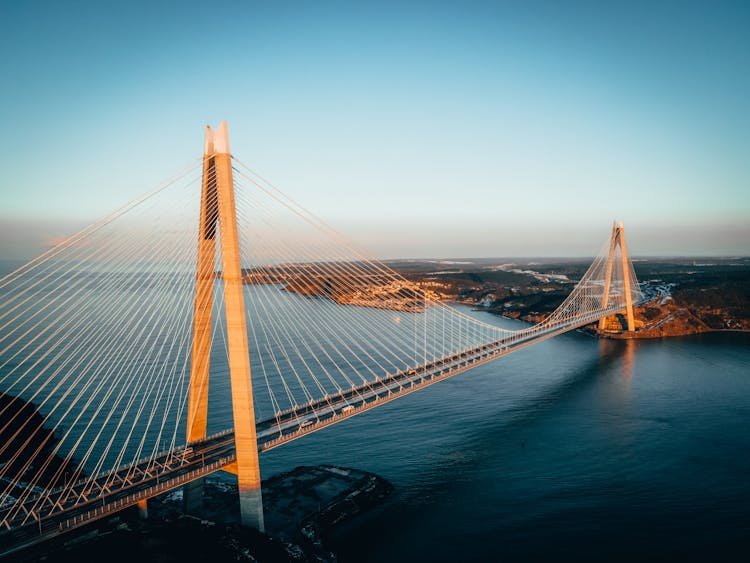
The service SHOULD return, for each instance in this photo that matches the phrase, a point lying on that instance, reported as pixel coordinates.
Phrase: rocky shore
(27, 449)
(652, 320)
(301, 507)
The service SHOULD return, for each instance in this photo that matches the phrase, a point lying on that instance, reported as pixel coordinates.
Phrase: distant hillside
(687, 295)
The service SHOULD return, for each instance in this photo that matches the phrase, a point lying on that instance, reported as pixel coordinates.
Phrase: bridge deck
(304, 419)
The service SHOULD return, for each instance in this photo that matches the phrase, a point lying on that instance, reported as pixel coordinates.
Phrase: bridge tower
(618, 238)
(218, 207)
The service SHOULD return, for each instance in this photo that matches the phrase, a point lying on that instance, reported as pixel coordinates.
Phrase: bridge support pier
(192, 497)
(142, 509)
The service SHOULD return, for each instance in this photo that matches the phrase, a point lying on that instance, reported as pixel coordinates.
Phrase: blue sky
(418, 129)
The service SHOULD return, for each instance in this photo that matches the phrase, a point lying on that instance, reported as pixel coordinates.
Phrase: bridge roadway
(91, 500)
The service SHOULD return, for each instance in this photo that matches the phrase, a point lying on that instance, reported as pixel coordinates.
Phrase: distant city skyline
(417, 129)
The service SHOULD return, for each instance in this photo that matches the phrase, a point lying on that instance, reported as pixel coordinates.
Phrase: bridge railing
(149, 492)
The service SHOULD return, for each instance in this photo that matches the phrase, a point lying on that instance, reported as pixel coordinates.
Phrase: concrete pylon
(197, 413)
(626, 278)
(618, 238)
(218, 206)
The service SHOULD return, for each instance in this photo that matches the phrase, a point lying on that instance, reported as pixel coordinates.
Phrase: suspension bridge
(217, 281)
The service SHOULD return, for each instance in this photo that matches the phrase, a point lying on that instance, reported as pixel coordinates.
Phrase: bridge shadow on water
(531, 408)
(627, 450)
(486, 458)
(507, 424)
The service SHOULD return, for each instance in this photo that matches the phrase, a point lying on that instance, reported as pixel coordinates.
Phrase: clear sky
(416, 128)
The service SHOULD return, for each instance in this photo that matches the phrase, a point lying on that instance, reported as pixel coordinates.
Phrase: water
(573, 448)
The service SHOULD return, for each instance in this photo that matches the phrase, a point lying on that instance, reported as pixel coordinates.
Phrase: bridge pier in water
(218, 207)
(192, 497)
(142, 506)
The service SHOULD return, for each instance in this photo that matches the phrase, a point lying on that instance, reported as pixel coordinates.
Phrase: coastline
(643, 333)
(303, 506)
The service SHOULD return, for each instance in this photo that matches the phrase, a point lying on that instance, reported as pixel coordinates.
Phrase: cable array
(324, 316)
(96, 333)
(94, 347)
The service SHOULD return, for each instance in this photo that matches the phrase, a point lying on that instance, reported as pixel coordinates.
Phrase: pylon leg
(246, 444)
(197, 413)
(626, 280)
(608, 275)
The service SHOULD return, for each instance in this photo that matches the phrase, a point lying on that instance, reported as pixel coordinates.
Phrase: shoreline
(609, 336)
(302, 508)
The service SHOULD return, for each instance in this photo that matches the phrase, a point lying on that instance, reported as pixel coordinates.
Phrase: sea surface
(574, 448)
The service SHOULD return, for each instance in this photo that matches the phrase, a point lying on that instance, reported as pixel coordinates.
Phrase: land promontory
(683, 295)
